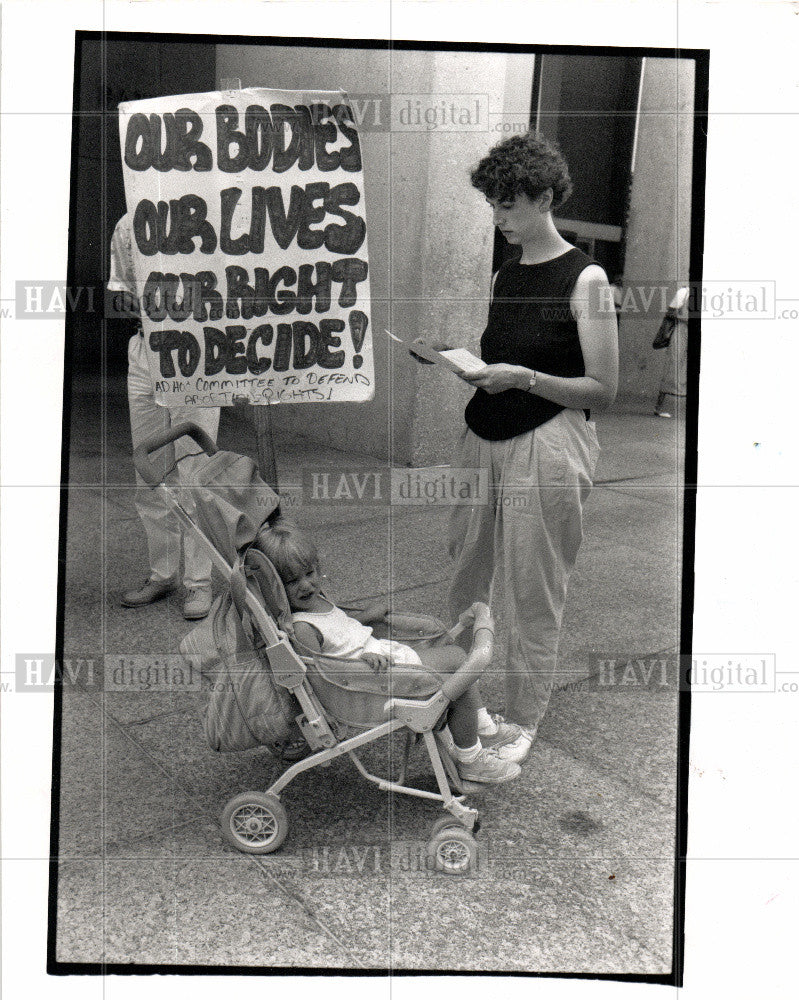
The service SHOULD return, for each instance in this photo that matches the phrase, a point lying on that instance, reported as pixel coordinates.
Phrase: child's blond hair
(289, 549)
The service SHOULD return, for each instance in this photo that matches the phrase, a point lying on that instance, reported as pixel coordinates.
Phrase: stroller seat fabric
(356, 696)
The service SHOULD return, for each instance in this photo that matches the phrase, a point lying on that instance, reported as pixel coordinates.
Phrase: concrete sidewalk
(576, 867)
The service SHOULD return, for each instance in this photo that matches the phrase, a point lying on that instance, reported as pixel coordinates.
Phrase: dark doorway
(111, 70)
(588, 105)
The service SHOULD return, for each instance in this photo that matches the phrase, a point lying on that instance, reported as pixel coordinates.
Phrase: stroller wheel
(452, 850)
(446, 823)
(255, 823)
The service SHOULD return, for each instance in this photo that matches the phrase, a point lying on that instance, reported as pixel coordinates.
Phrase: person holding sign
(551, 357)
(161, 528)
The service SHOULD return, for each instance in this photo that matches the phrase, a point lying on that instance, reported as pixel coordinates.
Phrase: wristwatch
(531, 383)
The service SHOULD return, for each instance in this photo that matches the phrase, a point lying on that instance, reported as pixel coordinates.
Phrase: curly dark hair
(523, 163)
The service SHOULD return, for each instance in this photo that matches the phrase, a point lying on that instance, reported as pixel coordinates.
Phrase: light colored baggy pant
(529, 531)
(674, 380)
(161, 527)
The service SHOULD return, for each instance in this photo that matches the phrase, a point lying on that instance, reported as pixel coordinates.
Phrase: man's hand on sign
(437, 345)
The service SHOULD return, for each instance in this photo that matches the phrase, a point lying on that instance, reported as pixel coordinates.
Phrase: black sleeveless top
(530, 323)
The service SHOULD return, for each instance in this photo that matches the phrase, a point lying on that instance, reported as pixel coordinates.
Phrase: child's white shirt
(344, 636)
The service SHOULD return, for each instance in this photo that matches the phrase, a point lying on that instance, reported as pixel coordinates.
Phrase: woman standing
(551, 353)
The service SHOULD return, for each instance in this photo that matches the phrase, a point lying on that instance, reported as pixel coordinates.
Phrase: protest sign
(249, 246)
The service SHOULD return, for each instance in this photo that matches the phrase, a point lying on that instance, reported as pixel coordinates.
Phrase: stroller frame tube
(323, 756)
(452, 803)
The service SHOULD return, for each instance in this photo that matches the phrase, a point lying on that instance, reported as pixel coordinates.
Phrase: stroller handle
(479, 658)
(142, 452)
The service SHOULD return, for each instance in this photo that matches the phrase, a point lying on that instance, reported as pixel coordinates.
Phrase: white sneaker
(504, 732)
(517, 750)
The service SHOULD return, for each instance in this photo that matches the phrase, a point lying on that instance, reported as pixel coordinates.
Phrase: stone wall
(658, 232)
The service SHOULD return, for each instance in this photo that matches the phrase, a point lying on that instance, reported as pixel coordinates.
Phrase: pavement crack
(645, 946)
(118, 845)
(571, 687)
(151, 718)
(306, 907)
(202, 810)
(656, 500)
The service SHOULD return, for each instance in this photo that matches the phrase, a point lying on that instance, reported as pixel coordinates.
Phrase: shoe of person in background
(517, 750)
(197, 603)
(148, 593)
(503, 733)
(660, 406)
(509, 741)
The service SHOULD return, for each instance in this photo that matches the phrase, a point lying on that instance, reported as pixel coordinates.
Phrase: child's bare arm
(374, 612)
(308, 636)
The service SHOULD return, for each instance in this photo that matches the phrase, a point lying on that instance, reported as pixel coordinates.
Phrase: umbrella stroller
(269, 692)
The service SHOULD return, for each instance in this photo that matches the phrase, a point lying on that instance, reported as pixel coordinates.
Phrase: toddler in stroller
(272, 689)
(321, 627)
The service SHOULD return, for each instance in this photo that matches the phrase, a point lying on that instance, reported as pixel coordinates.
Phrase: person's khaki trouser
(529, 531)
(161, 526)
